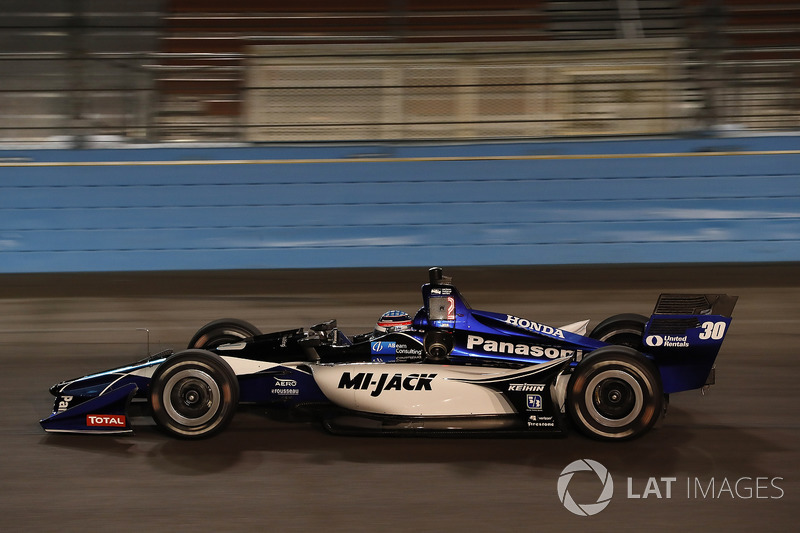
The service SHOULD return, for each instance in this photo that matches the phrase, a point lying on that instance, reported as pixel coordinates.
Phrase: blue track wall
(633, 201)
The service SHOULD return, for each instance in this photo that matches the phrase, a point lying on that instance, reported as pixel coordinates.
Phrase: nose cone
(56, 389)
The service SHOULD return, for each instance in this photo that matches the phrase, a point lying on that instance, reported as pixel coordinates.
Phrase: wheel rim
(191, 397)
(614, 398)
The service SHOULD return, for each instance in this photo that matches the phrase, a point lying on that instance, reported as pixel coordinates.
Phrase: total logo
(112, 421)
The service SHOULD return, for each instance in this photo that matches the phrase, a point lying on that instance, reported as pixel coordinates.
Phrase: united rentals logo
(586, 509)
(671, 341)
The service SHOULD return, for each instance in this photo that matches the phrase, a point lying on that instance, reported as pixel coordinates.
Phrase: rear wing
(684, 336)
(695, 304)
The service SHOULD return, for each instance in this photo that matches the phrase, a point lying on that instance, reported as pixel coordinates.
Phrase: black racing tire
(222, 331)
(621, 330)
(194, 394)
(615, 393)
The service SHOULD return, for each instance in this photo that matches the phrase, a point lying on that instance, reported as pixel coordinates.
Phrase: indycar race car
(449, 369)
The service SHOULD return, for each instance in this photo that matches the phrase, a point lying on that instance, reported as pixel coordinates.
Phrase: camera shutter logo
(587, 509)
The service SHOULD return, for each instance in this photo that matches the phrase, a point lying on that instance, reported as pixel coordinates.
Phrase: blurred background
(191, 134)
(311, 70)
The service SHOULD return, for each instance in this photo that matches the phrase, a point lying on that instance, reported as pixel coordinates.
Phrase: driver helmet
(392, 321)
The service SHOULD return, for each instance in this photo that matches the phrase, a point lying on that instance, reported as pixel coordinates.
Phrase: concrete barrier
(731, 199)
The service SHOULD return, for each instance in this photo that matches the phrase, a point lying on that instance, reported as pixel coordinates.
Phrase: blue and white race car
(449, 369)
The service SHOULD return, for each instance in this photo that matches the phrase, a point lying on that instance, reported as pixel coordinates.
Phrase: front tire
(223, 331)
(194, 394)
(615, 394)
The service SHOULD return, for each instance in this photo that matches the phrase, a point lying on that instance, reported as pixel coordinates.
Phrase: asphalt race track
(727, 461)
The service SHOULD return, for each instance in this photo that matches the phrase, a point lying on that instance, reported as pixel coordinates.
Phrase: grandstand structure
(313, 70)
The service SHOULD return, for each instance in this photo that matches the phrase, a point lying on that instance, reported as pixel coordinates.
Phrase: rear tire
(615, 394)
(223, 331)
(622, 330)
(194, 394)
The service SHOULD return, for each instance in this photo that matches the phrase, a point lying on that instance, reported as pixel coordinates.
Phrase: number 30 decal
(713, 330)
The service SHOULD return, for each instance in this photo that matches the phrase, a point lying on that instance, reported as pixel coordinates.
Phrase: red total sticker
(115, 421)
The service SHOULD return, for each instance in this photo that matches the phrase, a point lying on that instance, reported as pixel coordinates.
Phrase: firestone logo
(586, 509)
